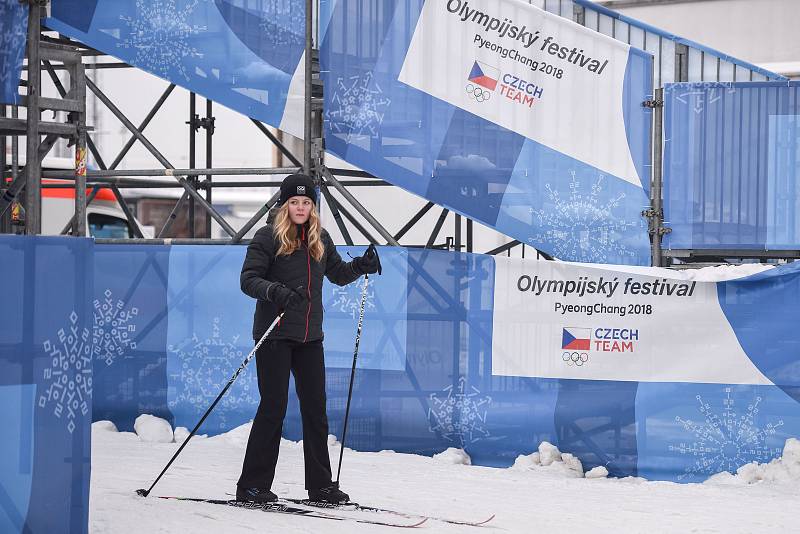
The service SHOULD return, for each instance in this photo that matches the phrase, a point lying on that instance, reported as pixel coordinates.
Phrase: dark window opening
(108, 226)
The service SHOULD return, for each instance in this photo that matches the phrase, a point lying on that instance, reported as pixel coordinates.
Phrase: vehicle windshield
(107, 226)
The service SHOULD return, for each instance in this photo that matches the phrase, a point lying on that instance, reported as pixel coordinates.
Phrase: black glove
(369, 263)
(286, 298)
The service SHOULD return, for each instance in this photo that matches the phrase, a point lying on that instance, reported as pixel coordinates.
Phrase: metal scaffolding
(60, 53)
(21, 190)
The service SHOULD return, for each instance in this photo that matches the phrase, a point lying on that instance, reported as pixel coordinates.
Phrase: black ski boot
(257, 495)
(330, 494)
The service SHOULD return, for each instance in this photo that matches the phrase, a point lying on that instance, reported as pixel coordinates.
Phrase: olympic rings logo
(575, 358)
(478, 93)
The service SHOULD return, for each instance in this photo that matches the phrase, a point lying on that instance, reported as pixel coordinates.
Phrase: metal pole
(92, 178)
(172, 216)
(192, 141)
(457, 236)
(436, 228)
(209, 154)
(10, 195)
(503, 248)
(307, 93)
(285, 151)
(337, 216)
(255, 218)
(469, 235)
(172, 172)
(413, 220)
(657, 218)
(355, 222)
(352, 377)
(361, 209)
(5, 224)
(78, 83)
(33, 186)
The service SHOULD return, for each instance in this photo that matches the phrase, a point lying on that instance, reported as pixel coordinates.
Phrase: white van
(104, 216)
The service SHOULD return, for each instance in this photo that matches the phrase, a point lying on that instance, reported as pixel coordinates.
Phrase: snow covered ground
(529, 497)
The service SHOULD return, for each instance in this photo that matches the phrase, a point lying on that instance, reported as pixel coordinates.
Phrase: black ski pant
(274, 360)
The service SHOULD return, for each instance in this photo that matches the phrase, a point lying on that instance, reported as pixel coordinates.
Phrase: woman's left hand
(369, 263)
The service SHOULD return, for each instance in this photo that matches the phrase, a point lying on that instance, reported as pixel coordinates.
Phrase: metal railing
(676, 59)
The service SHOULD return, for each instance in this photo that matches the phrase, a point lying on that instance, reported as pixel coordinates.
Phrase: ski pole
(146, 492)
(352, 374)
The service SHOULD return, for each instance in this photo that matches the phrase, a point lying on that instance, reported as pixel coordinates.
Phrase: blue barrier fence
(95, 332)
(731, 165)
(45, 383)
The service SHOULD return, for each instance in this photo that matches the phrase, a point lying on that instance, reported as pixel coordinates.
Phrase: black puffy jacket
(263, 267)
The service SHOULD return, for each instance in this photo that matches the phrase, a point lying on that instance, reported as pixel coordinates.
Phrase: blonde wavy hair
(286, 233)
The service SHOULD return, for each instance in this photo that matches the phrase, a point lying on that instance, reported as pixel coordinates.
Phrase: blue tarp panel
(732, 165)
(46, 340)
(241, 54)
(13, 34)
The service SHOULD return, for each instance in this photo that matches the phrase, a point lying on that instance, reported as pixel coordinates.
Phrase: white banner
(537, 74)
(558, 320)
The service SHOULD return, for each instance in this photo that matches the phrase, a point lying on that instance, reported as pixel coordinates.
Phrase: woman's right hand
(286, 298)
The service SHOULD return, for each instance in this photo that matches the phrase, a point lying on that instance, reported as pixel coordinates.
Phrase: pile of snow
(153, 429)
(453, 456)
(550, 458)
(182, 433)
(783, 469)
(236, 437)
(104, 426)
(597, 472)
(548, 453)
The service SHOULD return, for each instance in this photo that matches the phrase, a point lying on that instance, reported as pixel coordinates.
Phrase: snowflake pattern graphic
(12, 41)
(580, 227)
(459, 414)
(725, 440)
(357, 106)
(159, 35)
(700, 96)
(291, 22)
(206, 365)
(69, 374)
(114, 328)
(347, 299)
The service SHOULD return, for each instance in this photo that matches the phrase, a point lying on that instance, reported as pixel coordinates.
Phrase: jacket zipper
(308, 287)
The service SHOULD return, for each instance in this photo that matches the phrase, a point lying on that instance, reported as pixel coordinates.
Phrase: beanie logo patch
(301, 190)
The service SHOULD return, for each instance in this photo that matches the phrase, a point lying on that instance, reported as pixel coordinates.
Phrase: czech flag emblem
(576, 338)
(484, 75)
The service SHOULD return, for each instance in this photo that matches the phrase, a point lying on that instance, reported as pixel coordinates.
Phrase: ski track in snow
(539, 499)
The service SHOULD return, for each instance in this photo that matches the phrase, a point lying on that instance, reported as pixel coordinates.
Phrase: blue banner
(731, 166)
(45, 384)
(481, 107)
(13, 36)
(245, 55)
(446, 359)
(644, 371)
(130, 333)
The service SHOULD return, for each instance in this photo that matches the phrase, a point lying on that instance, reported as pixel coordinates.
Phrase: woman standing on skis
(283, 270)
